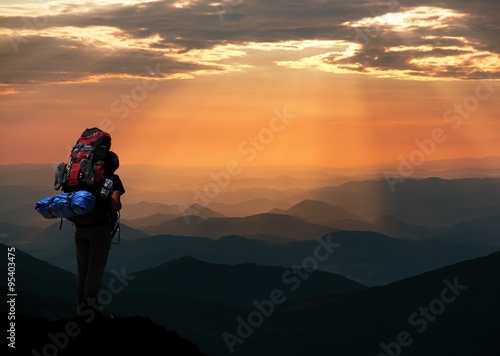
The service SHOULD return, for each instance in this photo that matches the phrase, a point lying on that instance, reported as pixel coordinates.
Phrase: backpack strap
(116, 229)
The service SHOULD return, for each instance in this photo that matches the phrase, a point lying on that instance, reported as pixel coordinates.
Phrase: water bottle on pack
(107, 187)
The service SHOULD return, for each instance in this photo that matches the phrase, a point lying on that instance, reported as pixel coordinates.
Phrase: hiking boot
(88, 172)
(59, 176)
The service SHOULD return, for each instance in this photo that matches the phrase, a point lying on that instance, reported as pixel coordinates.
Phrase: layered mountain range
(278, 260)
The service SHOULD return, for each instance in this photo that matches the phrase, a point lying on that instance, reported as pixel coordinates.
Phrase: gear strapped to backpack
(87, 183)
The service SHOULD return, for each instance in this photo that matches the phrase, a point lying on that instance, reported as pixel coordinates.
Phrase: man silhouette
(93, 237)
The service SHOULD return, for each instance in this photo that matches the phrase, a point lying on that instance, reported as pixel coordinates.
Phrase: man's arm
(116, 203)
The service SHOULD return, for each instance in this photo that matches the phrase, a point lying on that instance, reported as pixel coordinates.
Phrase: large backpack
(86, 181)
(86, 169)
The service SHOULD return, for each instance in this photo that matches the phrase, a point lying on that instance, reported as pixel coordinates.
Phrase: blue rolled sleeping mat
(66, 205)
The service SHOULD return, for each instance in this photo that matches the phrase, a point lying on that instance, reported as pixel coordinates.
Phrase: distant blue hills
(299, 260)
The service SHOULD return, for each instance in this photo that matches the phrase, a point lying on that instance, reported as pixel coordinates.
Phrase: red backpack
(86, 169)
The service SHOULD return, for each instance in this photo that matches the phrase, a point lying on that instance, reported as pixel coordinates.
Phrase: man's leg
(82, 257)
(100, 243)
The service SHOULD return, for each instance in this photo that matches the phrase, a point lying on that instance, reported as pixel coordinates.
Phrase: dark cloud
(48, 59)
(202, 26)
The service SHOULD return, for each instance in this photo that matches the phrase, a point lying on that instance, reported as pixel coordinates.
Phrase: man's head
(112, 161)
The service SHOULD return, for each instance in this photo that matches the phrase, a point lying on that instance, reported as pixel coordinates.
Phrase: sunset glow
(202, 82)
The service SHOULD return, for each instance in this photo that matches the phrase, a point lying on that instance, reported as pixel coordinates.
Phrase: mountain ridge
(263, 223)
(452, 310)
(83, 336)
(235, 285)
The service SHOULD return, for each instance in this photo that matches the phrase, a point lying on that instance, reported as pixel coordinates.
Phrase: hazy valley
(327, 260)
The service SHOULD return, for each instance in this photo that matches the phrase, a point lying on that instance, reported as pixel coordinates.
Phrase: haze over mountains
(341, 258)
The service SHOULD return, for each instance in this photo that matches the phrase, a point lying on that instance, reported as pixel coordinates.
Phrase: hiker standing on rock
(92, 169)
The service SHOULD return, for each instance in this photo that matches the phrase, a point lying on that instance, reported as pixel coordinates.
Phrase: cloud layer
(51, 42)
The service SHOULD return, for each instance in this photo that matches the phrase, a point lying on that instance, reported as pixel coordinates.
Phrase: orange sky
(328, 99)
